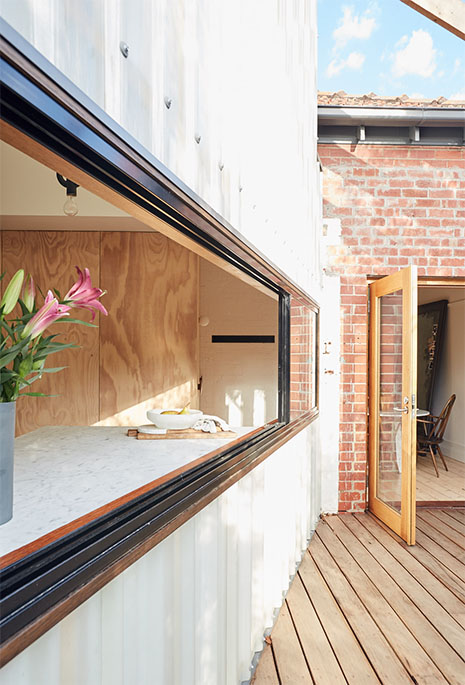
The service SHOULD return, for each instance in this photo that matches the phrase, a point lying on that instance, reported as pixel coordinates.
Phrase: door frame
(403, 522)
(423, 281)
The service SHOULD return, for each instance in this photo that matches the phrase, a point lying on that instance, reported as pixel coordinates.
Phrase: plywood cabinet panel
(50, 257)
(149, 353)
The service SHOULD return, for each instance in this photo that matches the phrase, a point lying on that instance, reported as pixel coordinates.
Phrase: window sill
(42, 587)
(67, 476)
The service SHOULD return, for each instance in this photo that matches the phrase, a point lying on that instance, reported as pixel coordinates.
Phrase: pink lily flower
(83, 295)
(50, 312)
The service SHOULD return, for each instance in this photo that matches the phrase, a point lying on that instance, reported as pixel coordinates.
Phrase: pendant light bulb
(70, 207)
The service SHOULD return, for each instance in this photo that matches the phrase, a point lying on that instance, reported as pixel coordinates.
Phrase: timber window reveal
(46, 117)
(303, 358)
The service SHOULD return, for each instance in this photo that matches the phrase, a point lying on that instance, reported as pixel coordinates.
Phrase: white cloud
(402, 41)
(458, 96)
(457, 64)
(417, 96)
(354, 61)
(353, 26)
(417, 58)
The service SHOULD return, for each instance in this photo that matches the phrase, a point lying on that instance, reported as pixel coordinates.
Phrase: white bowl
(173, 421)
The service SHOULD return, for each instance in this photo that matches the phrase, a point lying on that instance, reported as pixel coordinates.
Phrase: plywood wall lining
(148, 350)
(144, 354)
(51, 258)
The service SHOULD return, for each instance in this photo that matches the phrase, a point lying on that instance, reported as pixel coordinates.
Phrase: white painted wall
(239, 380)
(28, 188)
(193, 610)
(451, 379)
(330, 376)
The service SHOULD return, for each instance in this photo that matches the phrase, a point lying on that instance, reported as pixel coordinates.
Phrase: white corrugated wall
(240, 74)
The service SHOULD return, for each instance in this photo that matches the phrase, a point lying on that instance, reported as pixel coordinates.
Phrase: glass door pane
(389, 481)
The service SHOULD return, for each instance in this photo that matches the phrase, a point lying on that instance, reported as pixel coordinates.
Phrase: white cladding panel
(240, 77)
(192, 610)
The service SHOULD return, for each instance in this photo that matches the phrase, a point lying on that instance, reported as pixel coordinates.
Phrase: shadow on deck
(365, 608)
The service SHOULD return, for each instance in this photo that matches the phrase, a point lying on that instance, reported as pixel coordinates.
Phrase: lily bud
(11, 294)
(28, 293)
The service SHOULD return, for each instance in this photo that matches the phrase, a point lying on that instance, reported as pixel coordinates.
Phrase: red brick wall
(398, 205)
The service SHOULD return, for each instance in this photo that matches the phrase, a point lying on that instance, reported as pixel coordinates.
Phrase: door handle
(404, 409)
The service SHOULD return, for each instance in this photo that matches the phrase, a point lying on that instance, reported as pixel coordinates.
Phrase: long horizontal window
(146, 379)
(96, 476)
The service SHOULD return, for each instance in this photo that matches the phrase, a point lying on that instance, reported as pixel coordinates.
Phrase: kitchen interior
(169, 341)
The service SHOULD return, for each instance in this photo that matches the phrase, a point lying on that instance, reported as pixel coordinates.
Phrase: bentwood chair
(434, 428)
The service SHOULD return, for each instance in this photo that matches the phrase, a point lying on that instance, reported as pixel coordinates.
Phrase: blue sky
(385, 47)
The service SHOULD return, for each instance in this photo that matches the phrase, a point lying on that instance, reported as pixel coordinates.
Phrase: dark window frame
(41, 588)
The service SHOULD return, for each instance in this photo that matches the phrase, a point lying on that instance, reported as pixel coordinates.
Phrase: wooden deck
(365, 608)
(449, 487)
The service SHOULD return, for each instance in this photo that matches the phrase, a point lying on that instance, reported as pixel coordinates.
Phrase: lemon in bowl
(174, 418)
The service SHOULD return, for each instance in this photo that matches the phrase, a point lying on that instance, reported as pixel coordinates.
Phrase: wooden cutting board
(186, 434)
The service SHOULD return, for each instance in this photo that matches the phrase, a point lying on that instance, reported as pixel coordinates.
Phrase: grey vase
(7, 438)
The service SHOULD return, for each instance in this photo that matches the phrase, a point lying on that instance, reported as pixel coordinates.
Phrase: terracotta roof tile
(373, 100)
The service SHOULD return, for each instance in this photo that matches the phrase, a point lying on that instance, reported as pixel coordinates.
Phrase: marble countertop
(65, 472)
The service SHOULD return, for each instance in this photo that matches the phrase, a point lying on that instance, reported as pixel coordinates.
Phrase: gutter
(331, 115)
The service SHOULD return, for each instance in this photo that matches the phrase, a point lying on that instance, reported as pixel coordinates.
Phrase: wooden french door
(392, 410)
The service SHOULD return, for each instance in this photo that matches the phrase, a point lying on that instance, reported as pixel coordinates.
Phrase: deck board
(290, 660)
(374, 606)
(353, 662)
(444, 557)
(315, 645)
(378, 651)
(444, 529)
(437, 589)
(449, 521)
(366, 608)
(436, 630)
(438, 536)
(457, 514)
